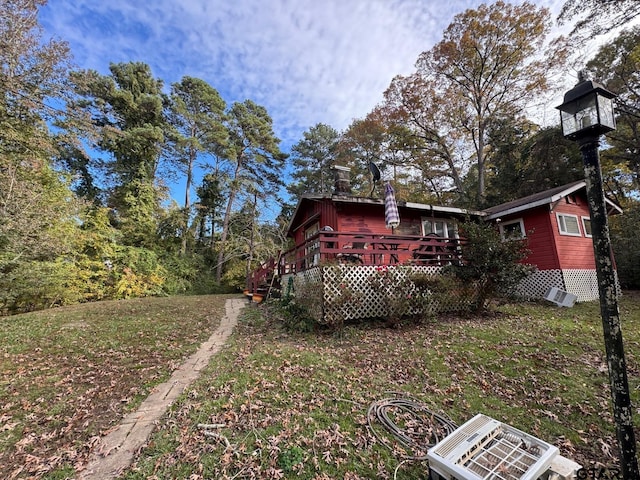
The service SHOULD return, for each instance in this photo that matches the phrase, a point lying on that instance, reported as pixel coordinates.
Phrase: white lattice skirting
(580, 282)
(307, 285)
(536, 285)
(345, 292)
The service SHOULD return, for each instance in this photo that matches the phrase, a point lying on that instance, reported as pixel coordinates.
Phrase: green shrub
(296, 317)
(489, 262)
(136, 272)
(35, 285)
(441, 292)
(396, 290)
(183, 273)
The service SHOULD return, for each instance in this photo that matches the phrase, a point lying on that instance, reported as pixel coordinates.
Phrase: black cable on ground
(411, 423)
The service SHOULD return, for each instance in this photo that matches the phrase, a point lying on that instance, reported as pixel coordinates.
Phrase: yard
(69, 374)
(294, 405)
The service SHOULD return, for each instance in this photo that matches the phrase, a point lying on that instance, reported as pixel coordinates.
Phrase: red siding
(573, 252)
(354, 217)
(549, 249)
(537, 224)
(328, 215)
(367, 218)
(312, 211)
(361, 218)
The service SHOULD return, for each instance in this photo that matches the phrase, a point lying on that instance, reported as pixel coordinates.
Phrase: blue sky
(306, 61)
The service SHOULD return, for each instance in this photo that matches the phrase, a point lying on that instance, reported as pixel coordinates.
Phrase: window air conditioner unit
(486, 449)
(560, 297)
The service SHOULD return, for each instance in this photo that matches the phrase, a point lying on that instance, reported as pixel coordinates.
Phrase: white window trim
(569, 234)
(584, 228)
(512, 222)
(314, 248)
(445, 221)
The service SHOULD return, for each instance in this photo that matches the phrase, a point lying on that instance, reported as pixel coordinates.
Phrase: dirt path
(115, 451)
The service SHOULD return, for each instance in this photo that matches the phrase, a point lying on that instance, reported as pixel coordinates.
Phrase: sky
(305, 61)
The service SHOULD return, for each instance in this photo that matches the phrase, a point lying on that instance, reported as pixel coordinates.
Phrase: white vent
(484, 448)
(560, 297)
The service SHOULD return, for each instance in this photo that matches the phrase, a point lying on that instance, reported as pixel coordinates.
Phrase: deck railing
(370, 249)
(261, 277)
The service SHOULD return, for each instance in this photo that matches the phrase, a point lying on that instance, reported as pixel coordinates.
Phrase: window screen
(586, 226)
(568, 224)
(512, 230)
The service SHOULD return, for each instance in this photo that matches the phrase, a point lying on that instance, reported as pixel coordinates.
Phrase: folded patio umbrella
(391, 215)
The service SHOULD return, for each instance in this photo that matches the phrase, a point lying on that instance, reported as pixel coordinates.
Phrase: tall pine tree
(197, 131)
(127, 107)
(256, 161)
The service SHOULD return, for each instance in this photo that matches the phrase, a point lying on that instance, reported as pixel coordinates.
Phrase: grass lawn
(294, 405)
(68, 375)
(289, 405)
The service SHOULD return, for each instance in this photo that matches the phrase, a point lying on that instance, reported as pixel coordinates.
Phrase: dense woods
(86, 158)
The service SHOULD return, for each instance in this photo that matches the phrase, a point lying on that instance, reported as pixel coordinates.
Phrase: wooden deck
(355, 248)
(370, 249)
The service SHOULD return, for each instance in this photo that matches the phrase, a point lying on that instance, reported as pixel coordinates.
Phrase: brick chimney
(342, 180)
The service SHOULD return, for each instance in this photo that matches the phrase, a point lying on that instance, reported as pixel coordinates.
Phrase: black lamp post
(587, 113)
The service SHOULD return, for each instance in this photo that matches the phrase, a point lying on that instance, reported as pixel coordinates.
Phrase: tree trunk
(251, 239)
(187, 201)
(455, 175)
(611, 324)
(480, 154)
(225, 221)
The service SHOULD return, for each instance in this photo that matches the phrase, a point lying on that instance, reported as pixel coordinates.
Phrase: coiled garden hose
(410, 422)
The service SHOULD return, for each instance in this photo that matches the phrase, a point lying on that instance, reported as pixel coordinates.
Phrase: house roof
(336, 198)
(538, 199)
(547, 197)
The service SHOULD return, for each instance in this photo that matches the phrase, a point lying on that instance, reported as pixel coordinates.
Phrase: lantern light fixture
(587, 110)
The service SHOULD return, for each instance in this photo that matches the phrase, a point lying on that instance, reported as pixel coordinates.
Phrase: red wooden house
(557, 225)
(339, 239)
(351, 230)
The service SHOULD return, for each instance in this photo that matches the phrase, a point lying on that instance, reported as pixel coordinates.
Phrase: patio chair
(349, 257)
(327, 228)
(430, 254)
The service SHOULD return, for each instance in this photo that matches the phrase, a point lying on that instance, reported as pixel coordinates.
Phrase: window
(312, 249)
(512, 230)
(586, 226)
(440, 227)
(568, 224)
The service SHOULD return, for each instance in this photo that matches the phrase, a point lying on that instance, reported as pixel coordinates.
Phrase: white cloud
(306, 61)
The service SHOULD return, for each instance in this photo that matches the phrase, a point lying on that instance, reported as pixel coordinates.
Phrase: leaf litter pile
(69, 375)
(275, 404)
